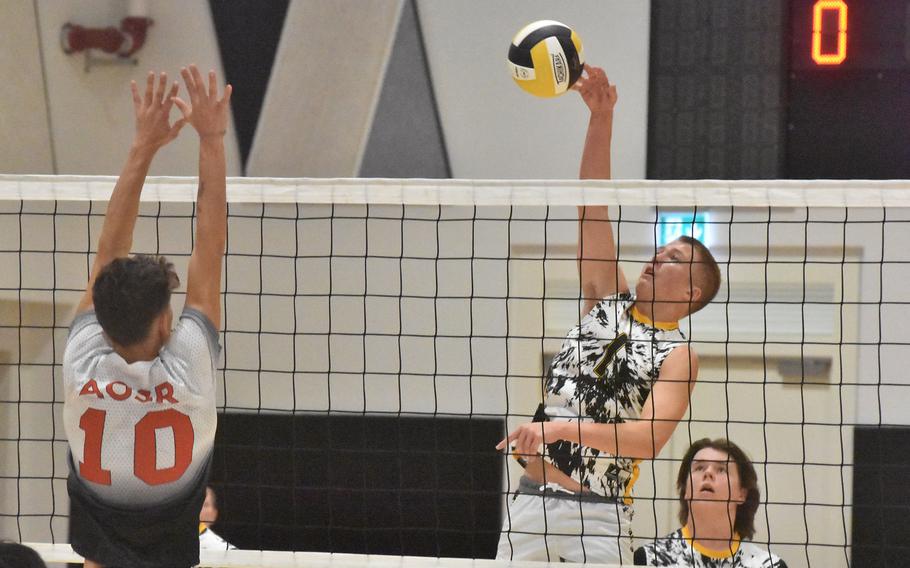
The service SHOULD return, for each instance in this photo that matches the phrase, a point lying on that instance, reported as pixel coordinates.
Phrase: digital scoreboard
(848, 89)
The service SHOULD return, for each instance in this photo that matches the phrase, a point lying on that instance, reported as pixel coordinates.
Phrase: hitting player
(617, 388)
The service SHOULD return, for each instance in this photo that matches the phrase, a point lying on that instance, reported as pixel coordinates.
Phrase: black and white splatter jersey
(604, 373)
(678, 549)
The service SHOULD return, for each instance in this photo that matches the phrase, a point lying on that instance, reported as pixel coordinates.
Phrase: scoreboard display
(848, 90)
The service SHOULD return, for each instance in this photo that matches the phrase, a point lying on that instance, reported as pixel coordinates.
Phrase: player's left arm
(643, 438)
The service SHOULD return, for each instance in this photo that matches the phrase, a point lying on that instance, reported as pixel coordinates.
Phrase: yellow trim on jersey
(662, 325)
(202, 528)
(715, 554)
(521, 459)
(627, 495)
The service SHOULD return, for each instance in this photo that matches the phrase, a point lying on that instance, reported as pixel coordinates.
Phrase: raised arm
(597, 267)
(209, 115)
(642, 438)
(153, 130)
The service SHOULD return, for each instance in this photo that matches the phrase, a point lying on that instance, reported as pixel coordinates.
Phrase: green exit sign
(671, 226)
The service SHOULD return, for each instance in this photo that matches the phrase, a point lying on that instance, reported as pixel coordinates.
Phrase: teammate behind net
(129, 381)
(718, 497)
(615, 391)
(209, 539)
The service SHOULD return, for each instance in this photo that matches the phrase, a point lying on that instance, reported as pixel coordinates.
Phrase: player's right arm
(153, 130)
(598, 268)
(208, 114)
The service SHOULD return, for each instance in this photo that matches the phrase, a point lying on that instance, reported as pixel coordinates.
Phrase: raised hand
(153, 125)
(206, 112)
(596, 90)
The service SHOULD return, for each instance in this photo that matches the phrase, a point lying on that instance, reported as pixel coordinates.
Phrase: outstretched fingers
(226, 98)
(204, 110)
(184, 108)
(213, 85)
(190, 83)
(198, 81)
(161, 89)
(149, 88)
(137, 100)
(172, 94)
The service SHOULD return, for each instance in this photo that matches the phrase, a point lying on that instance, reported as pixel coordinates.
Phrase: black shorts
(163, 536)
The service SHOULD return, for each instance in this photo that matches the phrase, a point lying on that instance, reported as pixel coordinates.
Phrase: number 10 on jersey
(145, 454)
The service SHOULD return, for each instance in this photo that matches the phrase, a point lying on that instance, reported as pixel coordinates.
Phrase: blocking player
(615, 391)
(139, 406)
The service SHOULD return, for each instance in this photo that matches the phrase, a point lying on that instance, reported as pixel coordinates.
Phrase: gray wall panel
(406, 139)
(324, 87)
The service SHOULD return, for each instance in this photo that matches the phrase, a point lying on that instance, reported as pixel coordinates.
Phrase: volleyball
(546, 58)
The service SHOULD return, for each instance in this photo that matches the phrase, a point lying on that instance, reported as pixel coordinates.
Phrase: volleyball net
(381, 336)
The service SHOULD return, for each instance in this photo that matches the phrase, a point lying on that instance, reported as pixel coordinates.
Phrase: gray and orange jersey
(140, 433)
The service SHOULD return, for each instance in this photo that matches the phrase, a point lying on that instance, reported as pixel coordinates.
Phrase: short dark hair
(15, 555)
(129, 293)
(744, 525)
(709, 272)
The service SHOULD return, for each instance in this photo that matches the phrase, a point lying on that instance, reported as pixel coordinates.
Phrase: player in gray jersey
(718, 498)
(615, 391)
(139, 407)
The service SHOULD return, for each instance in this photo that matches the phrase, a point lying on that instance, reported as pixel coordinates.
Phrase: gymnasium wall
(424, 75)
(421, 96)
(492, 128)
(24, 124)
(88, 115)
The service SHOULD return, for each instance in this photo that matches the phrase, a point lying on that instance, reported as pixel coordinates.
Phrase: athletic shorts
(548, 523)
(164, 536)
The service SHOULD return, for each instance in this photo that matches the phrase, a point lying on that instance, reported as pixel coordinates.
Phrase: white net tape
(641, 193)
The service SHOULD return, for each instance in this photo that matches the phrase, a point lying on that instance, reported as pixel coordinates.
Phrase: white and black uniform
(678, 549)
(141, 437)
(603, 373)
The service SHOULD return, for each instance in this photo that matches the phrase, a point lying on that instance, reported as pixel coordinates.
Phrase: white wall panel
(25, 143)
(92, 112)
(492, 128)
(325, 84)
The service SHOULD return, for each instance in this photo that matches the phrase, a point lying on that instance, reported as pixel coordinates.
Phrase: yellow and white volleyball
(546, 58)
